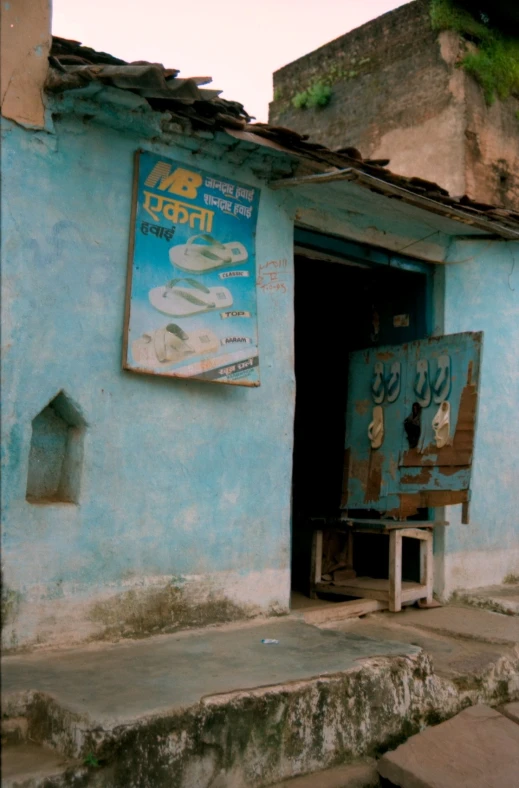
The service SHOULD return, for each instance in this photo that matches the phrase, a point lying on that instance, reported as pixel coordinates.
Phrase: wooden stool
(393, 592)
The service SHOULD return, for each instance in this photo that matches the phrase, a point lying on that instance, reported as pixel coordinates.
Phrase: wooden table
(392, 592)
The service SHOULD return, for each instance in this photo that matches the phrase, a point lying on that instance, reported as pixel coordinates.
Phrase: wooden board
(374, 588)
(337, 611)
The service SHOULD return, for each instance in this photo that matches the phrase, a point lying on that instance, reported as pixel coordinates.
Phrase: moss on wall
(494, 60)
(318, 93)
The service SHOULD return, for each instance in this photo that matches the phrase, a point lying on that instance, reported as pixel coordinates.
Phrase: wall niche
(56, 453)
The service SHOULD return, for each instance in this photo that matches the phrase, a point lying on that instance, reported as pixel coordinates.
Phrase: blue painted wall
(180, 479)
(482, 294)
(185, 487)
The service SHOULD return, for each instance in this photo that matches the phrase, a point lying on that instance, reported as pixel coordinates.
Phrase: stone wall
(397, 93)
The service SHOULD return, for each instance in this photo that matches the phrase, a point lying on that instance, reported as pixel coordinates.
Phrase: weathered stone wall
(397, 93)
(491, 148)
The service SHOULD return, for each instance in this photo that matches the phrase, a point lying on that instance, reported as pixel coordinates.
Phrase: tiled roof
(195, 107)
(74, 66)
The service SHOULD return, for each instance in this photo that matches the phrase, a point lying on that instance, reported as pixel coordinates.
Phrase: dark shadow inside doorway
(340, 307)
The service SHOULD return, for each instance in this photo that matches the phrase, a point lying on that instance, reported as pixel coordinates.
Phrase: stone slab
(124, 681)
(483, 625)
(477, 748)
(352, 775)
(452, 657)
(511, 710)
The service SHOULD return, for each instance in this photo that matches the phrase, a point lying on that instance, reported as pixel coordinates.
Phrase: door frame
(341, 250)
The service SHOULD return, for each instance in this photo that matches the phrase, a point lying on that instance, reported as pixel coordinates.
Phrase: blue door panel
(426, 395)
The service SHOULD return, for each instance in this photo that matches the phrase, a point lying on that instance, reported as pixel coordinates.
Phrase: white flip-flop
(422, 386)
(169, 345)
(442, 425)
(376, 428)
(393, 384)
(181, 301)
(378, 388)
(198, 257)
(442, 384)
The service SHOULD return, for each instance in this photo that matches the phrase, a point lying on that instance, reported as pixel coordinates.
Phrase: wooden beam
(305, 180)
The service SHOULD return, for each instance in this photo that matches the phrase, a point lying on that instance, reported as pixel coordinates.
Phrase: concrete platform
(115, 684)
(477, 748)
(217, 708)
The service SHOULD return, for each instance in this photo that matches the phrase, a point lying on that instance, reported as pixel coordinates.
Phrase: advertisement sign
(191, 295)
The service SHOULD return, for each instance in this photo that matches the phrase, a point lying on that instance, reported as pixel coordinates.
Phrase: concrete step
(499, 599)
(221, 709)
(481, 625)
(30, 765)
(362, 774)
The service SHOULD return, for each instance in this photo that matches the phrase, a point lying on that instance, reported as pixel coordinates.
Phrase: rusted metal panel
(428, 393)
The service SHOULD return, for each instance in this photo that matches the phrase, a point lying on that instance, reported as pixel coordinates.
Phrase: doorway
(341, 305)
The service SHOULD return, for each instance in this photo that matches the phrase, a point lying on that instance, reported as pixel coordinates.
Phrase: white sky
(237, 42)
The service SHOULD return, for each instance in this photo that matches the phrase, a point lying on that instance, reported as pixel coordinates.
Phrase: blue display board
(191, 296)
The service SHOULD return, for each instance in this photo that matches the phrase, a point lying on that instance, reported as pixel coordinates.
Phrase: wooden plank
(362, 584)
(316, 561)
(337, 611)
(413, 594)
(374, 588)
(416, 533)
(390, 524)
(395, 571)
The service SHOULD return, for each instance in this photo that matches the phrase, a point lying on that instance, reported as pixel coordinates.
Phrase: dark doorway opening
(341, 307)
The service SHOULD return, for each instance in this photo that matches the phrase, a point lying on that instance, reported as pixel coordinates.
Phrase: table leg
(395, 571)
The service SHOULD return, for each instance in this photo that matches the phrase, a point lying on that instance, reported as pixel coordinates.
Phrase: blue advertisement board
(191, 295)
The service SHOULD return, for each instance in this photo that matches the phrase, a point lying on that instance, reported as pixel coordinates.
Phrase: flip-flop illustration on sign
(201, 257)
(171, 344)
(177, 300)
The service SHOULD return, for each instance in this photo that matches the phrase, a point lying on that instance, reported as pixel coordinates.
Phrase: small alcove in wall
(56, 453)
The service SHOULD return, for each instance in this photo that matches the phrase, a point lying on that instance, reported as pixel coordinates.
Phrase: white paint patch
(67, 620)
(478, 568)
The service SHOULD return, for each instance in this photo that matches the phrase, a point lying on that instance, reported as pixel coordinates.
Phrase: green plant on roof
(317, 95)
(494, 63)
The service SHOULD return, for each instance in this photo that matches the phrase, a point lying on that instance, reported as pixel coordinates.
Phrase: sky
(238, 43)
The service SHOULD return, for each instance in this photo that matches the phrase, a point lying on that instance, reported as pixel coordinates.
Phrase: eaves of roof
(196, 108)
